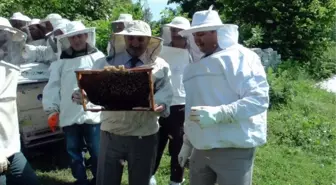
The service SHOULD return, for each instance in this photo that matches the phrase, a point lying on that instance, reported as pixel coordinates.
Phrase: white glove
(29, 52)
(184, 154)
(206, 116)
(78, 98)
(3, 163)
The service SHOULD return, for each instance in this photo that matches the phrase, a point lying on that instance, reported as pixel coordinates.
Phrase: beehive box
(129, 90)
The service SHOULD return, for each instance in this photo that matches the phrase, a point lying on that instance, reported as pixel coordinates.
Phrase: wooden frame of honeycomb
(118, 89)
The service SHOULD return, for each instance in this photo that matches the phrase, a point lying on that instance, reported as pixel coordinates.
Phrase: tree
(191, 6)
(298, 29)
(167, 15)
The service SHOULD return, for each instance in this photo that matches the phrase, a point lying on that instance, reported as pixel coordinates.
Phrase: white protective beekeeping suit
(123, 18)
(33, 70)
(122, 122)
(11, 44)
(177, 58)
(45, 54)
(62, 82)
(230, 87)
(18, 20)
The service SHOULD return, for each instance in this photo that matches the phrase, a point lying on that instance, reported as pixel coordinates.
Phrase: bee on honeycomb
(116, 88)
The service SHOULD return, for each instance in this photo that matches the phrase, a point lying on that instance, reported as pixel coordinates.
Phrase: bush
(297, 29)
(103, 32)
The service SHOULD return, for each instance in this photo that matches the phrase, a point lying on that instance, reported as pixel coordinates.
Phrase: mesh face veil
(12, 43)
(77, 39)
(34, 32)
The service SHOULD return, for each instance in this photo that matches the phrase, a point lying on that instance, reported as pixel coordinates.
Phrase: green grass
(301, 141)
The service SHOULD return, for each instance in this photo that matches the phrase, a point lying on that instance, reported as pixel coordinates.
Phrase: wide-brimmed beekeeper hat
(60, 24)
(137, 28)
(6, 26)
(51, 18)
(20, 17)
(75, 28)
(178, 22)
(124, 17)
(209, 20)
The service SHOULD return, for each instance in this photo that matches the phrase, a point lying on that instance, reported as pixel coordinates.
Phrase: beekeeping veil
(209, 20)
(50, 22)
(75, 29)
(123, 18)
(178, 22)
(18, 20)
(59, 29)
(35, 33)
(137, 28)
(12, 43)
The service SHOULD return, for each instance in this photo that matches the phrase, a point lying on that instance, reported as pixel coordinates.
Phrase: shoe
(152, 181)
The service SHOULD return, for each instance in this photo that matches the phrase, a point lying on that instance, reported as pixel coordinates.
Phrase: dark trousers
(19, 173)
(76, 137)
(138, 152)
(172, 129)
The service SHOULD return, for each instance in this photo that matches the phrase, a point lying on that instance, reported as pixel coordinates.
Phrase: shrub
(301, 115)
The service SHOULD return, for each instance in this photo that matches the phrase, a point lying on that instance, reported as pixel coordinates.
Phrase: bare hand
(159, 108)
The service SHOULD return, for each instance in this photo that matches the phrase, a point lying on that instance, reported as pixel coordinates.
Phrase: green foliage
(301, 115)
(191, 6)
(299, 30)
(103, 32)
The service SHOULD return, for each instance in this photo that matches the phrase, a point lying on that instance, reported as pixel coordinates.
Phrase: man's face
(78, 42)
(136, 45)
(206, 41)
(118, 27)
(177, 40)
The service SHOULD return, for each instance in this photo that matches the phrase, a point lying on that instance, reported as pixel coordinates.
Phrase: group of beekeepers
(211, 96)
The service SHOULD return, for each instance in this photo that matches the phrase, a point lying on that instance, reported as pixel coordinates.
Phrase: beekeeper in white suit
(132, 136)
(79, 126)
(14, 167)
(46, 53)
(226, 105)
(175, 53)
(18, 20)
(118, 26)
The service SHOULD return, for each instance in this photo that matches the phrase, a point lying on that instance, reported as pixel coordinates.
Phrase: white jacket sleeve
(51, 92)
(248, 79)
(164, 90)
(41, 54)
